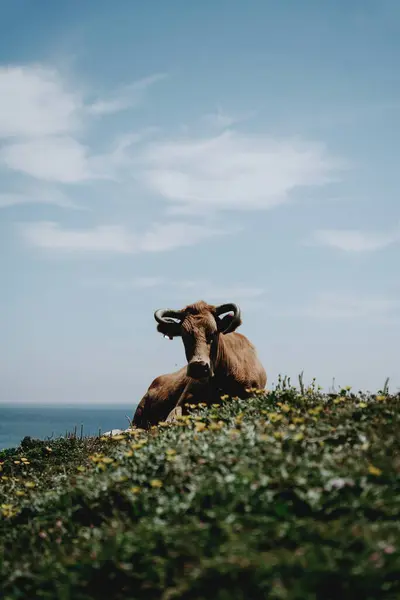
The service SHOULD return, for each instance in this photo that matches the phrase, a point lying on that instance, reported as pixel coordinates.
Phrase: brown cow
(218, 361)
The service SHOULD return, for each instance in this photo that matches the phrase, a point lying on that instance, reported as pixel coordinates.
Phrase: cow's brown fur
(234, 367)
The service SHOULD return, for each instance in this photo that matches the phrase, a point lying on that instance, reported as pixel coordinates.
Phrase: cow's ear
(228, 323)
(171, 329)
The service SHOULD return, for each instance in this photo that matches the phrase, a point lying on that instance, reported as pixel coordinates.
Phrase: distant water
(42, 422)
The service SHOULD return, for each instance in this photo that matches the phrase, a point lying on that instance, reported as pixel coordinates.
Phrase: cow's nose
(198, 369)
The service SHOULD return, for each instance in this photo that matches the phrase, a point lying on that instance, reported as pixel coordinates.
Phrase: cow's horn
(223, 308)
(164, 315)
(236, 319)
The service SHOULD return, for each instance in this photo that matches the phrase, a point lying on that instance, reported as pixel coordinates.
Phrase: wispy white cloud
(125, 97)
(47, 117)
(38, 195)
(35, 101)
(43, 120)
(57, 158)
(104, 238)
(232, 171)
(354, 240)
(166, 236)
(115, 238)
(223, 120)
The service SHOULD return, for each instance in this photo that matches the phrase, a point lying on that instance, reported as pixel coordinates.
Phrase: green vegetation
(292, 494)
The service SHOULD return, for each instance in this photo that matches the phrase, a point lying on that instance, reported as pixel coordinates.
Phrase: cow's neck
(223, 359)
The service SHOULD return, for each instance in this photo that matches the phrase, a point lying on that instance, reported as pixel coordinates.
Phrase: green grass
(292, 494)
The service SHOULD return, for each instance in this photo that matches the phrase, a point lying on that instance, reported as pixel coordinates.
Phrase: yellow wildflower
(49, 449)
(8, 510)
(170, 452)
(362, 405)
(138, 445)
(129, 453)
(17, 462)
(298, 437)
(278, 435)
(274, 417)
(135, 489)
(107, 460)
(80, 468)
(96, 457)
(224, 397)
(118, 438)
(374, 470)
(30, 484)
(200, 426)
(215, 426)
(19, 493)
(381, 398)
(156, 483)
(239, 418)
(315, 411)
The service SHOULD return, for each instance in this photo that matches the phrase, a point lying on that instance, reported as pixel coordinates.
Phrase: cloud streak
(128, 96)
(35, 102)
(232, 171)
(43, 120)
(354, 240)
(223, 120)
(38, 195)
(115, 239)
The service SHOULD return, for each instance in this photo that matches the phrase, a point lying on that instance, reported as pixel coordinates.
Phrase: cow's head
(200, 326)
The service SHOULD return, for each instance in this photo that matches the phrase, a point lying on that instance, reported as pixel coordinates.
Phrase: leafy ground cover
(292, 494)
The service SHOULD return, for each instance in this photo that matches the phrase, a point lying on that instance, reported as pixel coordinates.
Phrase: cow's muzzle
(198, 369)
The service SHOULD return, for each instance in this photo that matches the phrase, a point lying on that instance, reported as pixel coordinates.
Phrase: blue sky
(155, 154)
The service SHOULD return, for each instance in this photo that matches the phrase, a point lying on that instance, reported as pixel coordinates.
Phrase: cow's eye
(210, 338)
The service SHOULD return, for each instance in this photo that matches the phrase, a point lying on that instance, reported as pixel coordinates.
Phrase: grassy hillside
(293, 494)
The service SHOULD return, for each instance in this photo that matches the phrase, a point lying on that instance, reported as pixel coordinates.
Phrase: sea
(49, 422)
